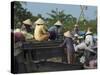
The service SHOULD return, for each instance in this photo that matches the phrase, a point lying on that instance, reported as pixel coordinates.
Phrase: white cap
(58, 23)
(76, 35)
(68, 34)
(28, 22)
(39, 21)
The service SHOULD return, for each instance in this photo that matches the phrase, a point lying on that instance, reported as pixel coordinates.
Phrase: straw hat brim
(68, 34)
(58, 23)
(39, 21)
(76, 25)
(28, 22)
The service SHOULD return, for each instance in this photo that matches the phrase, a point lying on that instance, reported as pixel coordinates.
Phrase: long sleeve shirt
(68, 43)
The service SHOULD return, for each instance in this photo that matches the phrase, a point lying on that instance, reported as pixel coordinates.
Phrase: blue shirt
(68, 43)
(55, 29)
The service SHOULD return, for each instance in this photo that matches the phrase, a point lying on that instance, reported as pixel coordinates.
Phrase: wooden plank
(49, 53)
(43, 42)
(43, 48)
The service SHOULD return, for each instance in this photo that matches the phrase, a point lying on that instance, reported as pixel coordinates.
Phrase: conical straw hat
(58, 23)
(28, 22)
(39, 21)
(68, 34)
(76, 25)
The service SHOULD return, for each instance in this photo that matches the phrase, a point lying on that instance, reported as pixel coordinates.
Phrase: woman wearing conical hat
(55, 30)
(40, 32)
(69, 47)
(27, 26)
(26, 29)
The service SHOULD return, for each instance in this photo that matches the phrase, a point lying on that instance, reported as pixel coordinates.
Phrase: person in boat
(25, 31)
(76, 29)
(87, 44)
(89, 38)
(69, 47)
(55, 30)
(27, 26)
(41, 31)
(76, 39)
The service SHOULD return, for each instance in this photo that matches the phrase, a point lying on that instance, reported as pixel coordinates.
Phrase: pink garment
(92, 64)
(19, 36)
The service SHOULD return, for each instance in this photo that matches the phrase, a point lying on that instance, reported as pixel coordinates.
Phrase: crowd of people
(73, 42)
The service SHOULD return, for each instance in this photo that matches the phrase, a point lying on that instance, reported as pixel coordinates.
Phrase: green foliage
(66, 19)
(20, 14)
(90, 23)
